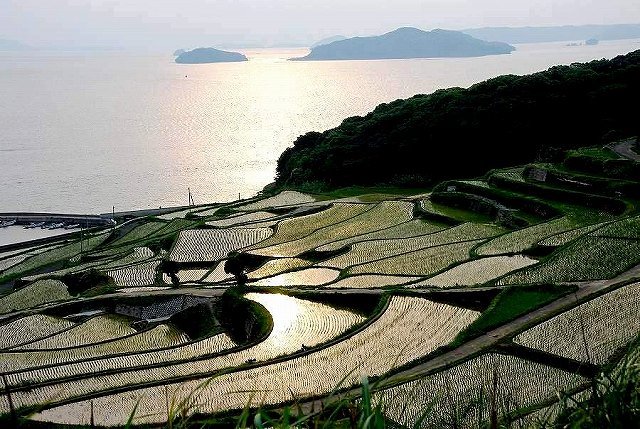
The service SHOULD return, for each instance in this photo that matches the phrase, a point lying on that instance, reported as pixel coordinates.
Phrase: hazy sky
(162, 24)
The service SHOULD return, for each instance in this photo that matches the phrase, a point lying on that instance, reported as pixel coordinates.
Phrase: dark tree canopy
(460, 132)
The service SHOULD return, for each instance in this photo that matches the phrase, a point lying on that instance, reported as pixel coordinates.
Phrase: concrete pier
(86, 221)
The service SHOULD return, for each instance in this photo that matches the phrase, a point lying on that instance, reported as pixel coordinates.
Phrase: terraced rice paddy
(382, 216)
(368, 251)
(186, 276)
(297, 323)
(588, 258)
(277, 266)
(143, 274)
(206, 212)
(94, 330)
(211, 245)
(241, 219)
(371, 291)
(423, 262)
(301, 226)
(12, 260)
(517, 241)
(130, 256)
(412, 228)
(565, 237)
(159, 337)
(460, 396)
(30, 328)
(57, 254)
(626, 228)
(33, 295)
(306, 277)
(140, 232)
(218, 274)
(591, 332)
(195, 350)
(370, 281)
(478, 271)
(179, 214)
(370, 351)
(286, 198)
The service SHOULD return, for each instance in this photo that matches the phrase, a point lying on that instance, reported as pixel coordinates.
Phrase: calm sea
(85, 132)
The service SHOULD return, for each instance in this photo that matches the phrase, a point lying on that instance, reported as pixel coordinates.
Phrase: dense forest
(460, 132)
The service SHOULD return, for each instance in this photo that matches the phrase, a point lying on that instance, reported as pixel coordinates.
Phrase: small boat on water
(56, 225)
(6, 223)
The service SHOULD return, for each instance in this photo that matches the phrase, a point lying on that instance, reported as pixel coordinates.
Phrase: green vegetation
(242, 319)
(88, 283)
(601, 164)
(198, 321)
(613, 401)
(451, 215)
(586, 258)
(367, 193)
(502, 122)
(58, 255)
(510, 304)
(558, 176)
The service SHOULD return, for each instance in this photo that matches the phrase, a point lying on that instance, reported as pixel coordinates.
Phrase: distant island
(407, 42)
(328, 40)
(209, 55)
(179, 52)
(556, 34)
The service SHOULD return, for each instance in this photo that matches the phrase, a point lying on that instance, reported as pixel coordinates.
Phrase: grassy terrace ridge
(511, 303)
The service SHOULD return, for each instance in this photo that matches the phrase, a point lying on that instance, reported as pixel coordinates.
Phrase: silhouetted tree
(236, 264)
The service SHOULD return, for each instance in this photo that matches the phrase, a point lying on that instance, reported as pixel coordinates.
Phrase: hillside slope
(464, 132)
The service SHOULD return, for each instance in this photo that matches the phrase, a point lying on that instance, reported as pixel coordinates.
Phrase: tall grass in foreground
(612, 401)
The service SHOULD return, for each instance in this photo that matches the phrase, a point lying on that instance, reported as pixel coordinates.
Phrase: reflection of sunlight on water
(274, 55)
(286, 312)
(306, 277)
(202, 124)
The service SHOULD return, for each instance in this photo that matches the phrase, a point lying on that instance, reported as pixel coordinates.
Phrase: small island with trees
(209, 55)
(405, 43)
